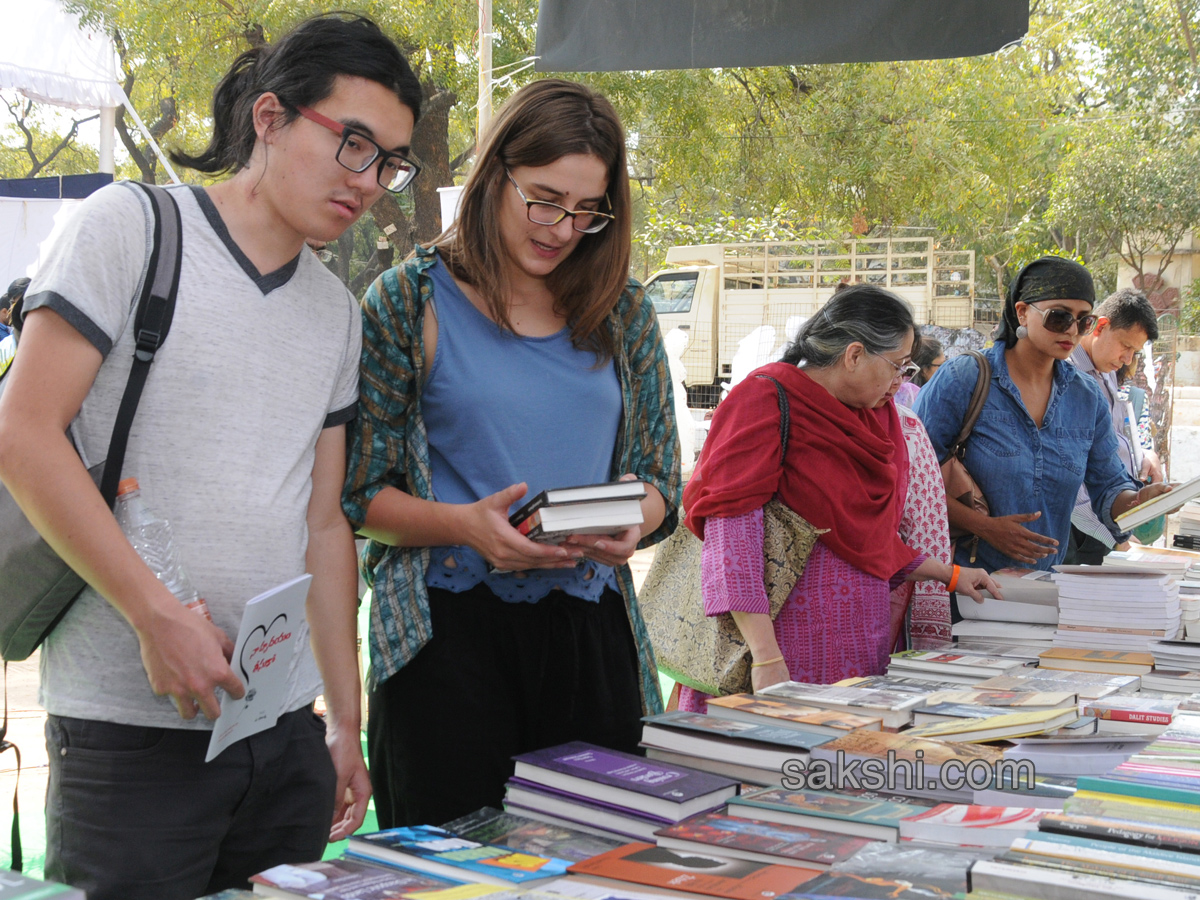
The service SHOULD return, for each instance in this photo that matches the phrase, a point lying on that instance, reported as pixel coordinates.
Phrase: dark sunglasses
(1060, 320)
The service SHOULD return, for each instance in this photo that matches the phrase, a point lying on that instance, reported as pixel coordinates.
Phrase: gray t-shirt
(254, 367)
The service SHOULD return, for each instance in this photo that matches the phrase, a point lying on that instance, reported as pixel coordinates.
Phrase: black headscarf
(1048, 278)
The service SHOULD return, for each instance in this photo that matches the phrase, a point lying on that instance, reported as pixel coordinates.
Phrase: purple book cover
(580, 800)
(626, 771)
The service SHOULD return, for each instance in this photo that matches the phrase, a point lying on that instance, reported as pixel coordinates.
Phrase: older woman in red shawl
(846, 471)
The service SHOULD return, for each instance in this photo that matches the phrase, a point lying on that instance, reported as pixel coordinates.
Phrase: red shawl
(847, 469)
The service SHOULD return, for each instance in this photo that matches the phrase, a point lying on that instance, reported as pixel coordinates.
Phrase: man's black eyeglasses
(357, 152)
(1060, 320)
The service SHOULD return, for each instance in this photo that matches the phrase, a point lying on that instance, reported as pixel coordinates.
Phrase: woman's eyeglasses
(1060, 320)
(357, 152)
(908, 370)
(587, 221)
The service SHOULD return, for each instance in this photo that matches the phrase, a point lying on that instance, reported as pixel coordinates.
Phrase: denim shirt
(1022, 468)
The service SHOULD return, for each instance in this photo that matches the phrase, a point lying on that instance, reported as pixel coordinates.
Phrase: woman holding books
(511, 355)
(1044, 431)
(846, 470)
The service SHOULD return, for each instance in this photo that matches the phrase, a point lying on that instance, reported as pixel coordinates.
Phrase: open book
(1160, 505)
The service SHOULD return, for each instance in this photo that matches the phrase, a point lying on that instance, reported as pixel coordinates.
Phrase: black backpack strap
(983, 383)
(785, 414)
(17, 859)
(151, 322)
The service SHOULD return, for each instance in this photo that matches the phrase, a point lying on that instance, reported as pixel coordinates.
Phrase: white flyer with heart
(271, 636)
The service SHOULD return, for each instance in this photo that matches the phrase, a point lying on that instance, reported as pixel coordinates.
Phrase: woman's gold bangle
(766, 662)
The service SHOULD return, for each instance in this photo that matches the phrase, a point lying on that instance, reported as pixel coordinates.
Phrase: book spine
(523, 514)
(1104, 785)
(1125, 834)
(1129, 715)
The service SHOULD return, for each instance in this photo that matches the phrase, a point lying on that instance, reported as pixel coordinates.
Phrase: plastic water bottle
(152, 539)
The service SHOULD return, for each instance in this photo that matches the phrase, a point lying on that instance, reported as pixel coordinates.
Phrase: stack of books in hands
(608, 793)
(551, 516)
(1124, 608)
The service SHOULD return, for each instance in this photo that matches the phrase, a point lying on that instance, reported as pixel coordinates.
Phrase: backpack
(36, 586)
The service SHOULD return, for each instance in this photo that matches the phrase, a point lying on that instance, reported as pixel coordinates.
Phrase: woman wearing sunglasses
(510, 356)
(1044, 430)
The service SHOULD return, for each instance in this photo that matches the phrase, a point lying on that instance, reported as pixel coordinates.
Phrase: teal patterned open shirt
(389, 447)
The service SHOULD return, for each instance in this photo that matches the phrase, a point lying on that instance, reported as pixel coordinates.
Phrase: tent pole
(162, 157)
(108, 127)
(485, 69)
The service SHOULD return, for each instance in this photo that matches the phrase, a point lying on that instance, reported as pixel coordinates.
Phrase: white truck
(722, 294)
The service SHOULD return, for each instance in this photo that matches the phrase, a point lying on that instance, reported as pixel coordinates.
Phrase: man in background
(1125, 322)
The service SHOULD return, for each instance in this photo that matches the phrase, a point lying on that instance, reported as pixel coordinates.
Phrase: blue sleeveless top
(500, 409)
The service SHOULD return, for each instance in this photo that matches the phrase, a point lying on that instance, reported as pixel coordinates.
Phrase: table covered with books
(1052, 751)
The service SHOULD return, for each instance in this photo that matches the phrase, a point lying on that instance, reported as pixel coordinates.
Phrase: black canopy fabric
(617, 35)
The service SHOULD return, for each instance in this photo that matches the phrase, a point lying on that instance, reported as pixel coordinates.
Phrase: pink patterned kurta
(923, 527)
(836, 622)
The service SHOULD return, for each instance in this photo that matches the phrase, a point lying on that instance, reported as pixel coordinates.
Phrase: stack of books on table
(1132, 715)
(1085, 685)
(738, 748)
(1188, 522)
(1181, 564)
(1027, 614)
(867, 815)
(961, 667)
(894, 708)
(1112, 607)
(608, 793)
(1109, 662)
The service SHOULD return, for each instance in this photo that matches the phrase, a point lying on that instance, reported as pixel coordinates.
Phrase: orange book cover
(1129, 657)
(696, 873)
(876, 744)
(795, 712)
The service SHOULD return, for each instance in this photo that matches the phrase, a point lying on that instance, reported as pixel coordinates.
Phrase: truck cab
(740, 304)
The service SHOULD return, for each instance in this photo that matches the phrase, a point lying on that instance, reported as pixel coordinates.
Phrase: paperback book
(760, 841)
(494, 826)
(968, 825)
(344, 879)
(893, 707)
(525, 798)
(447, 855)
(628, 781)
(874, 819)
(784, 713)
(763, 746)
(694, 873)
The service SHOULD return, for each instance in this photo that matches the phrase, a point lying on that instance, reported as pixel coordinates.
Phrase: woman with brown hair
(511, 355)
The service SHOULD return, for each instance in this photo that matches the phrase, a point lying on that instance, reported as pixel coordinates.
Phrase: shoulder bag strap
(978, 397)
(785, 414)
(152, 321)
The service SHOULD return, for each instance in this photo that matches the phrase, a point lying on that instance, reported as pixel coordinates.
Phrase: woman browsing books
(847, 470)
(509, 356)
(1044, 431)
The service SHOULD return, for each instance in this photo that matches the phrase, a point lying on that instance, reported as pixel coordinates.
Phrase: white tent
(49, 57)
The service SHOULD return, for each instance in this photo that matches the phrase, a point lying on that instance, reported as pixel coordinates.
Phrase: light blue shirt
(502, 408)
(1022, 468)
